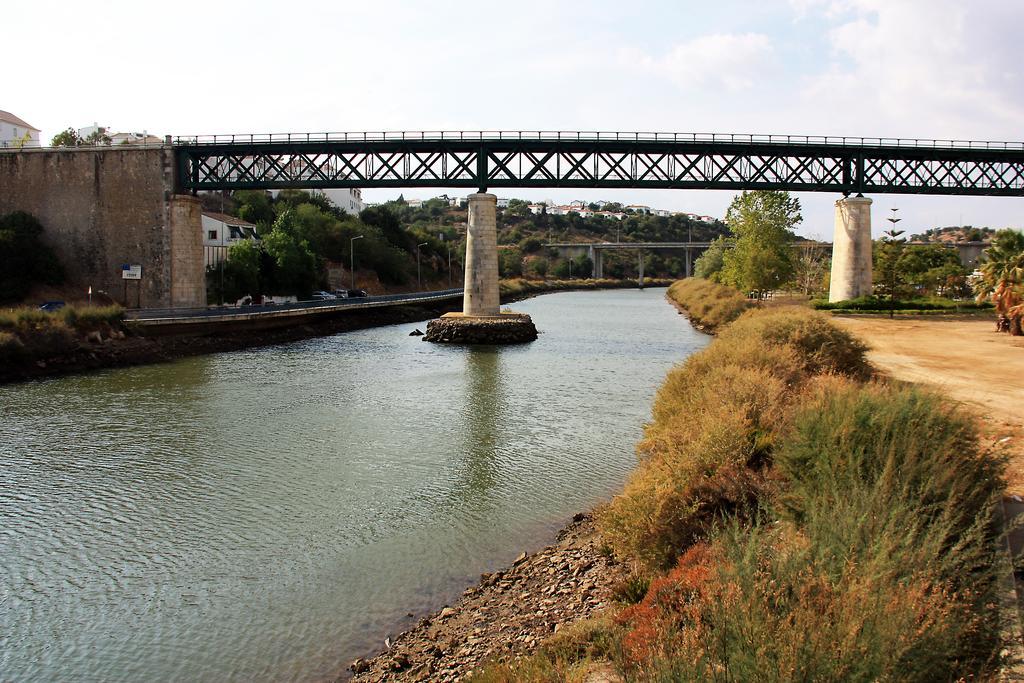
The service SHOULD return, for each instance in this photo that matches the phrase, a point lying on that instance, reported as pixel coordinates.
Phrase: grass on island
(794, 518)
(31, 333)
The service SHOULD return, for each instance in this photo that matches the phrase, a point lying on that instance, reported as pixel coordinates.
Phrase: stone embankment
(455, 328)
(507, 614)
(119, 350)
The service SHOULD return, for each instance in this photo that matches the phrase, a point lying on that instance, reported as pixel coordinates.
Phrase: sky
(936, 69)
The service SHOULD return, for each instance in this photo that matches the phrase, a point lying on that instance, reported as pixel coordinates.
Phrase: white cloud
(940, 68)
(729, 60)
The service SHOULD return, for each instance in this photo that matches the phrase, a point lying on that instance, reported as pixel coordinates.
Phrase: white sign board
(130, 272)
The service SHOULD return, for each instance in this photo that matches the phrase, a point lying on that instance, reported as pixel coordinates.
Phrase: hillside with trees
(303, 234)
(955, 234)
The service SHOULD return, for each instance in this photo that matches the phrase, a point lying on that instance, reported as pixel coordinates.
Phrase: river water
(269, 514)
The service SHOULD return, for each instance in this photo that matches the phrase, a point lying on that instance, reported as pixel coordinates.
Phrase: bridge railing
(590, 136)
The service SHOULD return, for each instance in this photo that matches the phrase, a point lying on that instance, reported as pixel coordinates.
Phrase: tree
(762, 258)
(709, 264)
(256, 207)
(539, 267)
(294, 264)
(931, 268)
(67, 138)
(25, 260)
(810, 266)
(97, 137)
(1002, 279)
(510, 263)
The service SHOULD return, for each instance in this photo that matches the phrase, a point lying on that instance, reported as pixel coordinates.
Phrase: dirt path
(963, 356)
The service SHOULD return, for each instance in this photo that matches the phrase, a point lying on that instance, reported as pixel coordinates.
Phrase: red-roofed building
(16, 132)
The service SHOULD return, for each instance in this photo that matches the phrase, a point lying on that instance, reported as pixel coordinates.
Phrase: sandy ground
(966, 358)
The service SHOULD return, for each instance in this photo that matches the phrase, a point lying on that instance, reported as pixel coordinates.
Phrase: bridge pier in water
(481, 320)
(851, 250)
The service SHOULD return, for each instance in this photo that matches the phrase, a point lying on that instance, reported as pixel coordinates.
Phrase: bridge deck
(600, 160)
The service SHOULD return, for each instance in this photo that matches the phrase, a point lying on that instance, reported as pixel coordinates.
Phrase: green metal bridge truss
(482, 160)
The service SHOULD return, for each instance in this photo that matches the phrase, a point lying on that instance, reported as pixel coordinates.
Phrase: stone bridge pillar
(851, 250)
(481, 320)
(597, 258)
(481, 295)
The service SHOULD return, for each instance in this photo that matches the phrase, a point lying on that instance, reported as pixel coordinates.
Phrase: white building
(220, 231)
(349, 200)
(536, 209)
(15, 132)
(503, 202)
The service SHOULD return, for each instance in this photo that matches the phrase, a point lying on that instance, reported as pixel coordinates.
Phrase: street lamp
(352, 257)
(449, 266)
(419, 280)
(890, 238)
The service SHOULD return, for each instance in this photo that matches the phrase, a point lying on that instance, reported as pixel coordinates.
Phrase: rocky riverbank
(506, 615)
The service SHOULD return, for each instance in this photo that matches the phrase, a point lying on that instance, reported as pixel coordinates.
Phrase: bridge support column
(481, 295)
(481, 320)
(689, 264)
(597, 257)
(851, 250)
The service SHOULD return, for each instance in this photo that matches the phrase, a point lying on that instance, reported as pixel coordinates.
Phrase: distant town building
(503, 203)
(15, 132)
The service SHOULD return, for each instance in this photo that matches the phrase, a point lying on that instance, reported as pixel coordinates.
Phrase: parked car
(341, 293)
(323, 296)
(51, 306)
(354, 293)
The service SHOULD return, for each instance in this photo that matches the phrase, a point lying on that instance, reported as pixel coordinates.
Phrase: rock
(519, 560)
(94, 337)
(399, 661)
(416, 333)
(359, 666)
(446, 612)
(507, 328)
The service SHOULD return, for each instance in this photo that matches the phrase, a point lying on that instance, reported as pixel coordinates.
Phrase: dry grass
(708, 303)
(800, 524)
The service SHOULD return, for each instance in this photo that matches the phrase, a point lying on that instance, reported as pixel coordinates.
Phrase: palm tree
(1002, 279)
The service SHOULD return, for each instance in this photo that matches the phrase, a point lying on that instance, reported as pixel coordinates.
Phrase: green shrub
(882, 304)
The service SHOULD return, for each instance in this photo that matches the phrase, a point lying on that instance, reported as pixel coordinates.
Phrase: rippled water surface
(270, 514)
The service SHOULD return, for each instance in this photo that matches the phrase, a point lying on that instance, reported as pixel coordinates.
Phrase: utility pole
(419, 279)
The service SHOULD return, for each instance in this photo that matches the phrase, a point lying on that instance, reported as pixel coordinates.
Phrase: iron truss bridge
(498, 159)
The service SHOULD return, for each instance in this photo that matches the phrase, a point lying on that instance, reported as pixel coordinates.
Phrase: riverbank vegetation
(708, 303)
(29, 333)
(793, 518)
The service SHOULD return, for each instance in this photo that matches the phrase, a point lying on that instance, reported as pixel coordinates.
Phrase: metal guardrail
(526, 135)
(176, 314)
(590, 136)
